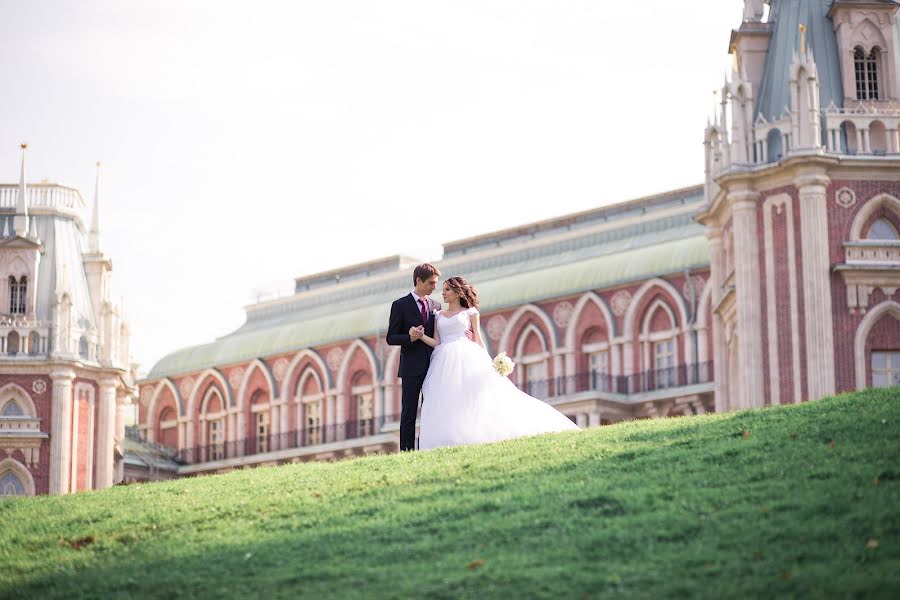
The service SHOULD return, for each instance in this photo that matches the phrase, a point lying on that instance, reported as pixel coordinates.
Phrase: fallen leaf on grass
(785, 574)
(793, 436)
(475, 564)
(831, 444)
(872, 544)
(746, 434)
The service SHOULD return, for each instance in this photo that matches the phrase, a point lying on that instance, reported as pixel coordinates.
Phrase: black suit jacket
(406, 313)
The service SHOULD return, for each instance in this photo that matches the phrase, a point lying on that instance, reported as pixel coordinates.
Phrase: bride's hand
(470, 335)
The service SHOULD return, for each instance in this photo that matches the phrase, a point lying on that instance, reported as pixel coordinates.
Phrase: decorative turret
(20, 223)
(94, 236)
(806, 130)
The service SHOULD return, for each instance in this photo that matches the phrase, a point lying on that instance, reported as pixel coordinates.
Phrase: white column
(859, 141)
(570, 372)
(61, 430)
(747, 290)
(720, 353)
(816, 283)
(106, 432)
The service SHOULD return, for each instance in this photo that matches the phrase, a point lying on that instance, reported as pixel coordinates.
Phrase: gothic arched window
(17, 294)
(882, 229)
(12, 409)
(866, 69)
(11, 485)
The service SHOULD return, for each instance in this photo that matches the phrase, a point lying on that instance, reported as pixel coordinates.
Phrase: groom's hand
(416, 333)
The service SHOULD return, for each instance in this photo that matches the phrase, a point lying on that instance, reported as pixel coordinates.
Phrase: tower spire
(94, 236)
(20, 223)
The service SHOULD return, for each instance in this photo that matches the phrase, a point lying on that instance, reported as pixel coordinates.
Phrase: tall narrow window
(885, 369)
(866, 71)
(217, 439)
(262, 431)
(599, 365)
(313, 422)
(536, 379)
(665, 363)
(365, 414)
(17, 294)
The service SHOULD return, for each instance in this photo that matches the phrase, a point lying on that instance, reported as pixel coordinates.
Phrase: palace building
(64, 360)
(774, 282)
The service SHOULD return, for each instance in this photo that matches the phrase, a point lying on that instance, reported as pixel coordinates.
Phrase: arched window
(34, 343)
(12, 409)
(259, 408)
(882, 229)
(12, 343)
(866, 69)
(83, 347)
(363, 397)
(17, 294)
(11, 485)
(774, 146)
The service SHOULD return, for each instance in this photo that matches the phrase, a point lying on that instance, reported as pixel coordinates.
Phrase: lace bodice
(453, 328)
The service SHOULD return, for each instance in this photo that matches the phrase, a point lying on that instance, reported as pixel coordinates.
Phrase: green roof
(594, 273)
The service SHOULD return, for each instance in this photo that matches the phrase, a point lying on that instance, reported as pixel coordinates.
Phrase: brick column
(106, 432)
(812, 185)
(61, 431)
(747, 291)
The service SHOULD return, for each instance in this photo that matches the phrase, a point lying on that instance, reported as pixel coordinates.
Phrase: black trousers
(412, 386)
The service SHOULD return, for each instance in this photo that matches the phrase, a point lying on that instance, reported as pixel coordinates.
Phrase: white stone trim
(18, 393)
(819, 314)
(243, 401)
(638, 296)
(781, 202)
(358, 343)
(868, 209)
(519, 314)
(862, 334)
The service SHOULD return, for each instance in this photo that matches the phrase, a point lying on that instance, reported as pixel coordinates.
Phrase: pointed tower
(20, 223)
(806, 130)
(94, 236)
(98, 269)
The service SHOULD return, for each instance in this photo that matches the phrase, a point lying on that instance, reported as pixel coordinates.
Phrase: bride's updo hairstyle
(468, 298)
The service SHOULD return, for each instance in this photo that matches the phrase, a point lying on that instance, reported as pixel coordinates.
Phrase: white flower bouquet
(503, 364)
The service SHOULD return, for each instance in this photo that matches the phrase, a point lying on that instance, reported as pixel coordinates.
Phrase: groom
(408, 314)
(412, 316)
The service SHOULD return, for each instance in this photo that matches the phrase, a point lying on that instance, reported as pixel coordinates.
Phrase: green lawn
(798, 501)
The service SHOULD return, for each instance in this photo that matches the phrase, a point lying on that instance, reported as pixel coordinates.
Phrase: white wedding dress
(465, 401)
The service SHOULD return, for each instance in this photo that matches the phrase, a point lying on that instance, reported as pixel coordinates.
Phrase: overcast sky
(247, 143)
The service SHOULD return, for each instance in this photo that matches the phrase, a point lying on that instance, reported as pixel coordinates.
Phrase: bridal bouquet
(504, 364)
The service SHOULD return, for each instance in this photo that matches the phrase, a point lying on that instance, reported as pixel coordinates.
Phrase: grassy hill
(797, 501)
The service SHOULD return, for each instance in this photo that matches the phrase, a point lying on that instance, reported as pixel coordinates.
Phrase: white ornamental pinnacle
(620, 302)
(236, 377)
(20, 221)
(279, 369)
(496, 326)
(753, 11)
(335, 358)
(94, 236)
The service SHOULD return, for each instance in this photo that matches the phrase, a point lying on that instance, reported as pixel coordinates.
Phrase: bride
(466, 400)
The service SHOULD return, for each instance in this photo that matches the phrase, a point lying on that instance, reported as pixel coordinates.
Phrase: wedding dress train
(465, 401)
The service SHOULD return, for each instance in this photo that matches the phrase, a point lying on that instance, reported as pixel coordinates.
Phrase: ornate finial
(23, 145)
(802, 39)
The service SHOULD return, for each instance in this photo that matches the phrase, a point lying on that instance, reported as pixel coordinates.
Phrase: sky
(244, 144)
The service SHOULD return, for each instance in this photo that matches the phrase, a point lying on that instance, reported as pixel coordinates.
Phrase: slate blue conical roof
(785, 17)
